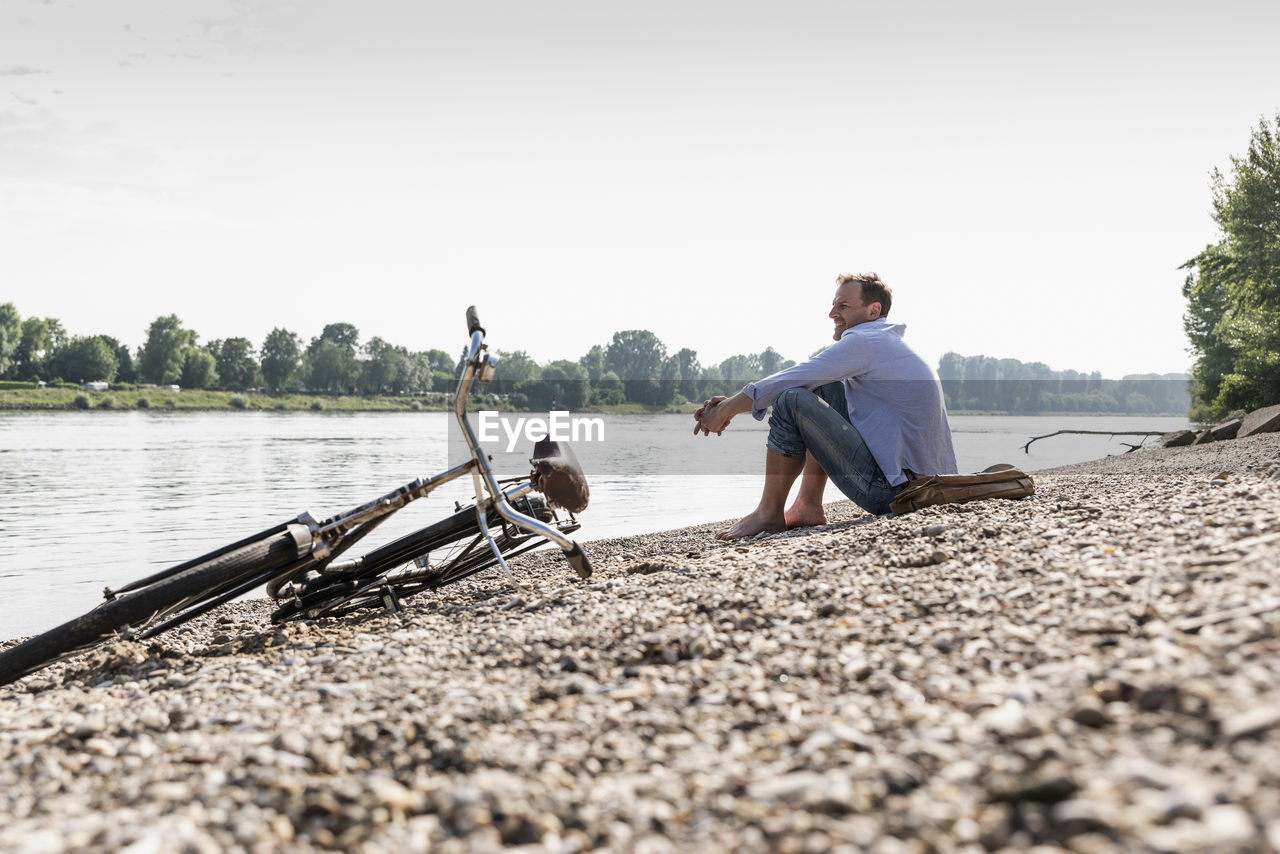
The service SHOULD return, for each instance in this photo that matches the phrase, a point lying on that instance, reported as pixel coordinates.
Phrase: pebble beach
(1094, 668)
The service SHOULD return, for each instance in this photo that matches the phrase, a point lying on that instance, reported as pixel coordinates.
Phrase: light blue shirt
(895, 399)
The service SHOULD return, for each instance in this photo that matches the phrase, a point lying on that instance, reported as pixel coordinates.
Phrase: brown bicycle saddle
(560, 477)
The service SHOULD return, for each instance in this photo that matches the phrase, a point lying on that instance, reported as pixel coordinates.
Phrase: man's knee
(793, 396)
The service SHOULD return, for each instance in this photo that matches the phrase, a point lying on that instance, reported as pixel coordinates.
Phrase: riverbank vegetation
(985, 384)
(1233, 289)
(24, 396)
(632, 373)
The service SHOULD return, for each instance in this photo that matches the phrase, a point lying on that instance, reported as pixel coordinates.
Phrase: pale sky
(1027, 176)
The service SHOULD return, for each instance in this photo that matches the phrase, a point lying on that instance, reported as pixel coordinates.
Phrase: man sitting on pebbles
(866, 412)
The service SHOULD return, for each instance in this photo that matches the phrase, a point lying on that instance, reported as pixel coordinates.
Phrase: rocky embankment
(1095, 668)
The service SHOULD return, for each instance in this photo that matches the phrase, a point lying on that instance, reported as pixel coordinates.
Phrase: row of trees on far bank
(334, 362)
(1008, 385)
(634, 367)
(1233, 289)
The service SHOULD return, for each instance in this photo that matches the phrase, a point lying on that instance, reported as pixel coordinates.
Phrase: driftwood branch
(1026, 449)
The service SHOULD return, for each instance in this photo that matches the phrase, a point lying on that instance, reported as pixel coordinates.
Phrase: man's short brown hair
(873, 290)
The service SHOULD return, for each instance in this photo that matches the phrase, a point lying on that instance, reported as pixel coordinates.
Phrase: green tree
(331, 359)
(199, 369)
(690, 370)
(515, 371)
(637, 356)
(593, 362)
(342, 334)
(41, 336)
(710, 383)
(331, 368)
(10, 336)
(413, 371)
(281, 352)
(608, 389)
(438, 360)
(951, 372)
(125, 371)
(382, 365)
(235, 363)
(563, 383)
(739, 370)
(88, 359)
(443, 381)
(1233, 290)
(163, 358)
(771, 361)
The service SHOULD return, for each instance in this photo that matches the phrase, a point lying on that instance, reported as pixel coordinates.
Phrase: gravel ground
(1094, 668)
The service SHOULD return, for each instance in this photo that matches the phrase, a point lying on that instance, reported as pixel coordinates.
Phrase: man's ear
(875, 310)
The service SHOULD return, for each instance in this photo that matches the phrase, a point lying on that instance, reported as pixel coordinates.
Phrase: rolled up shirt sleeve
(845, 358)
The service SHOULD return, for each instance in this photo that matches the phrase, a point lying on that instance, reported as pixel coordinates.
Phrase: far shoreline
(156, 399)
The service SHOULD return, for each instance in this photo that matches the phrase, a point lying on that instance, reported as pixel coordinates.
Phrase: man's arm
(846, 357)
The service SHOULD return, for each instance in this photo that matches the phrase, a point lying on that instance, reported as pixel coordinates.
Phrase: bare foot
(805, 515)
(752, 524)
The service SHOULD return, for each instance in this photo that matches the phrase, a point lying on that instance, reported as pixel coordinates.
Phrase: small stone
(1034, 788)
(1227, 823)
(1074, 817)
(1006, 719)
(1146, 774)
(391, 794)
(290, 741)
(100, 747)
(1251, 723)
(172, 792)
(1272, 833)
(1091, 716)
(86, 726)
(153, 718)
(829, 792)
(1158, 697)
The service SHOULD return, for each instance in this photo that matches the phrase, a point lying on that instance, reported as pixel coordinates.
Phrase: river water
(94, 499)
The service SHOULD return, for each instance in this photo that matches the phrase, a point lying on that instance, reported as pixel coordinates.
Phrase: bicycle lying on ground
(297, 560)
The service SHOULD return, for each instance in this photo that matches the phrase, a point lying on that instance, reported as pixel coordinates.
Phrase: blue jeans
(818, 422)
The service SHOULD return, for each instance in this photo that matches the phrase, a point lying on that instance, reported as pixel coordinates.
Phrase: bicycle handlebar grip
(578, 560)
(473, 321)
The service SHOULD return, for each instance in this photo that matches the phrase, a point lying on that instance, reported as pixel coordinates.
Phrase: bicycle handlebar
(483, 471)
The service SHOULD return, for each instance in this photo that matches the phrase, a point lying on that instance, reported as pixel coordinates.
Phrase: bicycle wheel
(440, 554)
(134, 610)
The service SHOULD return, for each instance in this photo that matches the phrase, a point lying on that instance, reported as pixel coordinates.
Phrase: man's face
(847, 309)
